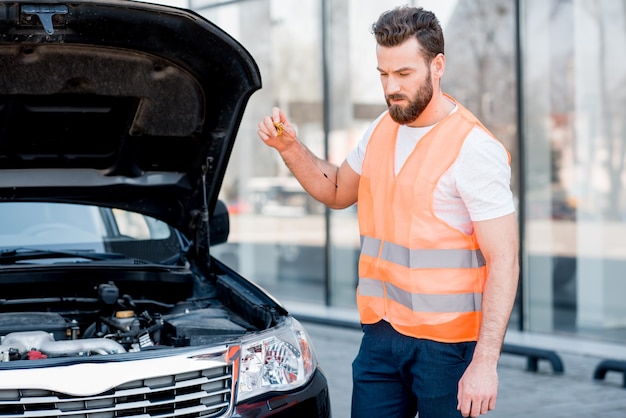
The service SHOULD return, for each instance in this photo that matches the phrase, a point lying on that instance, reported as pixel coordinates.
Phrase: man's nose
(392, 86)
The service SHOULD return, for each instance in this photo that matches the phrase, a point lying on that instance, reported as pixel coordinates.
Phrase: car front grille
(203, 393)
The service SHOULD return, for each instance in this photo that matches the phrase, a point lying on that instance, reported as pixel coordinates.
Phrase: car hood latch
(45, 13)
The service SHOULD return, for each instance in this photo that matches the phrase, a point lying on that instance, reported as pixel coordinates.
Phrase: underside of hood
(118, 103)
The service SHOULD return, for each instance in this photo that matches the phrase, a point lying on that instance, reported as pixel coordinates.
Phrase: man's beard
(416, 105)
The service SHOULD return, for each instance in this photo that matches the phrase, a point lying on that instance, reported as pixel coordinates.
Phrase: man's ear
(438, 66)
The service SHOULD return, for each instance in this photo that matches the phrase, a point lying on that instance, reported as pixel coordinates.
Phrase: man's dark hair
(395, 26)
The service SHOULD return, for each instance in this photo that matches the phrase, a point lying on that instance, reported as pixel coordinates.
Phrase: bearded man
(438, 269)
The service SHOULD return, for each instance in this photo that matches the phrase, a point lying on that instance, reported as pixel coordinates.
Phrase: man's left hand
(478, 389)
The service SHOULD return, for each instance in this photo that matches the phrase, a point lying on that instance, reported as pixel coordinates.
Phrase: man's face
(415, 105)
(406, 79)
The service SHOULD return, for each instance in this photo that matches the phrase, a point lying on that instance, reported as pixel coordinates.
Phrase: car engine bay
(103, 319)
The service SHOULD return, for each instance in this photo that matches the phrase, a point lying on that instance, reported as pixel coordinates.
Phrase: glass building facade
(547, 77)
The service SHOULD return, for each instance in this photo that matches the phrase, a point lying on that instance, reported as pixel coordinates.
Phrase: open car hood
(118, 103)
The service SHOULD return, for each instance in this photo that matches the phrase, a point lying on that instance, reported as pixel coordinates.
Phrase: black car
(117, 120)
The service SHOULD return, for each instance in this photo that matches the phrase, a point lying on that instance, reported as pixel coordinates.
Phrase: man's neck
(438, 108)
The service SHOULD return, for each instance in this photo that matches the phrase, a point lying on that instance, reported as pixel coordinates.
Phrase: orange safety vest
(422, 275)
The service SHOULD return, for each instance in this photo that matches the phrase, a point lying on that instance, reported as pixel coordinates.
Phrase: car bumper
(310, 401)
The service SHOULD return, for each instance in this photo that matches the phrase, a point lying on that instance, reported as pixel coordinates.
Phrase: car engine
(119, 325)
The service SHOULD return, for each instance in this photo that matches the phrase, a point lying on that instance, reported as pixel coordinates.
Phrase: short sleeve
(357, 155)
(483, 177)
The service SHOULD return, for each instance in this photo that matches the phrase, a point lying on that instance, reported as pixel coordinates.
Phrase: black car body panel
(117, 121)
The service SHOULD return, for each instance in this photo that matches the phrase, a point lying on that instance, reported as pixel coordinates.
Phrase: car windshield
(49, 232)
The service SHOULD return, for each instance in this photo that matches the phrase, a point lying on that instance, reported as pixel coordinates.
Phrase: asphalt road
(540, 394)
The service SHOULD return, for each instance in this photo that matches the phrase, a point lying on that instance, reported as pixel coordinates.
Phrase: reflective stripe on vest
(421, 258)
(456, 302)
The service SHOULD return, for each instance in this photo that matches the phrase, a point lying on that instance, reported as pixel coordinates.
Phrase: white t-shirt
(475, 188)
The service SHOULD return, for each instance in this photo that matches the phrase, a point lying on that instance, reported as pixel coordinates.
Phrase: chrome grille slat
(205, 411)
(143, 403)
(118, 393)
(205, 393)
(112, 413)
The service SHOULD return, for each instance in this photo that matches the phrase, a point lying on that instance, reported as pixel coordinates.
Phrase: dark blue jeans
(395, 376)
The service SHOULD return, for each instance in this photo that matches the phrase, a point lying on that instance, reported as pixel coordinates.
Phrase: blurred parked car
(117, 123)
(281, 196)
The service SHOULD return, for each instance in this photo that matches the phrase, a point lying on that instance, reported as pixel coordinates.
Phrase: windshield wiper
(13, 255)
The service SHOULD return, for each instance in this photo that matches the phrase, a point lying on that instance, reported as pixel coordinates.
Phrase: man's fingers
(476, 408)
(277, 115)
(268, 126)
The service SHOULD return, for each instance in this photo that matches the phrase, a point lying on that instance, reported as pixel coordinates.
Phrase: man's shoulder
(480, 134)
(482, 144)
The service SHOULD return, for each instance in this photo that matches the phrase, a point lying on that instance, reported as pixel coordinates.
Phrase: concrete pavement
(540, 394)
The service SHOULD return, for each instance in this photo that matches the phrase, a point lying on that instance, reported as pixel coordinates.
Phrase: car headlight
(281, 360)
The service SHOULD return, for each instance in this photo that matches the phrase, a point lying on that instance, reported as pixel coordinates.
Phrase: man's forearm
(318, 177)
(499, 243)
(336, 187)
(498, 300)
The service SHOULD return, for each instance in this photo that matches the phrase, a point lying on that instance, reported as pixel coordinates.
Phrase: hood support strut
(203, 233)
